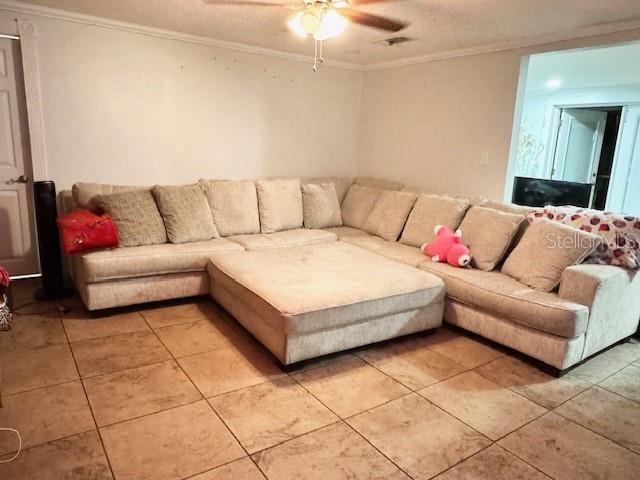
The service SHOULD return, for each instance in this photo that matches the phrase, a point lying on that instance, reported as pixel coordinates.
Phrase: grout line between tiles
(86, 396)
(591, 429)
(615, 393)
(30, 390)
(208, 404)
(343, 420)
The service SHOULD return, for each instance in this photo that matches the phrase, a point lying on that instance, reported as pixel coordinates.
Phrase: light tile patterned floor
(181, 391)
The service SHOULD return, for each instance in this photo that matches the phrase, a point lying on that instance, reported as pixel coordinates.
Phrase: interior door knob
(20, 179)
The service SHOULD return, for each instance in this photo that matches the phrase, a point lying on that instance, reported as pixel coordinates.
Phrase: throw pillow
(136, 216)
(488, 233)
(431, 210)
(186, 213)
(620, 233)
(545, 250)
(357, 205)
(234, 206)
(389, 214)
(280, 204)
(320, 206)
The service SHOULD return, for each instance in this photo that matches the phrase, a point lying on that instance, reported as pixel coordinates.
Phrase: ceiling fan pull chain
(321, 57)
(315, 57)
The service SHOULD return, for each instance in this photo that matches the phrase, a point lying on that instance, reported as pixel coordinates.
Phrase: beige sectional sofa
(592, 308)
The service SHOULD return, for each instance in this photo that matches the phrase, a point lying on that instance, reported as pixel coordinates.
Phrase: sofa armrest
(613, 297)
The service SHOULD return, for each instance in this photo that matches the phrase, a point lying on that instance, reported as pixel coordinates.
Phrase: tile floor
(180, 391)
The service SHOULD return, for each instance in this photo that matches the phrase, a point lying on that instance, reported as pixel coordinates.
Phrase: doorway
(576, 134)
(18, 248)
(585, 147)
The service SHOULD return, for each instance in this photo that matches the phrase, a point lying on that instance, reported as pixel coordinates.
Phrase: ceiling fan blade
(374, 21)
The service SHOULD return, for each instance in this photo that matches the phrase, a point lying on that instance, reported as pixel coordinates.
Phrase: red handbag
(83, 230)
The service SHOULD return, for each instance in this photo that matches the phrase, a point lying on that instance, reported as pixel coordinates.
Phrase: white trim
(56, 14)
(539, 40)
(510, 174)
(28, 49)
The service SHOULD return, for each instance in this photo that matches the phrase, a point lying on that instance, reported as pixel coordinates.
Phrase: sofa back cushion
(380, 183)
(341, 184)
(357, 205)
(545, 250)
(136, 216)
(234, 206)
(428, 212)
(389, 214)
(84, 193)
(488, 233)
(185, 212)
(280, 204)
(320, 206)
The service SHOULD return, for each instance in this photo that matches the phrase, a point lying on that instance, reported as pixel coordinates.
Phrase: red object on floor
(83, 230)
(4, 280)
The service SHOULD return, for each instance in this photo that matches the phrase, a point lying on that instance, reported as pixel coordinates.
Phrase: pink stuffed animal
(447, 248)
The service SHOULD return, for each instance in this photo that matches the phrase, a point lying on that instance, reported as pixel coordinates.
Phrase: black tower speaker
(48, 242)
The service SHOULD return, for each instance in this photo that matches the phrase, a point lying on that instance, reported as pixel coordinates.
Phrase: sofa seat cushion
(287, 238)
(319, 287)
(343, 232)
(504, 296)
(119, 263)
(391, 250)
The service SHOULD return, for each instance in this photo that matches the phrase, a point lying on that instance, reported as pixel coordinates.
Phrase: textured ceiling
(437, 25)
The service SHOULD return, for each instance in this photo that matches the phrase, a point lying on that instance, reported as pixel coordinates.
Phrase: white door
(624, 188)
(579, 145)
(18, 250)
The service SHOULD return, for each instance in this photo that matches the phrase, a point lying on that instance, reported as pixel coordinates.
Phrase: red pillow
(83, 230)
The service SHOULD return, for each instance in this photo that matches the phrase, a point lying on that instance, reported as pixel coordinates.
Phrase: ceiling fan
(323, 19)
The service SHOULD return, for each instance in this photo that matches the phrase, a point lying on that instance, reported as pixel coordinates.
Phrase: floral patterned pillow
(621, 233)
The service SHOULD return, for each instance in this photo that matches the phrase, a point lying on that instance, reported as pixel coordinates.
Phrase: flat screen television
(538, 192)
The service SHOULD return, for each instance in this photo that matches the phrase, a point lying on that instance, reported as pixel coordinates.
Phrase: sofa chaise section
(595, 307)
(132, 275)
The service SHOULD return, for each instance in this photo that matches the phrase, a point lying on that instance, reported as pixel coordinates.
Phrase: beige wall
(124, 107)
(446, 125)
(129, 108)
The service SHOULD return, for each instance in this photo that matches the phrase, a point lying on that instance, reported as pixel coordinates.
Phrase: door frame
(26, 34)
(552, 127)
(614, 197)
(595, 160)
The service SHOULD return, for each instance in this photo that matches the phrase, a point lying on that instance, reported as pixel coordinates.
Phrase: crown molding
(21, 8)
(528, 42)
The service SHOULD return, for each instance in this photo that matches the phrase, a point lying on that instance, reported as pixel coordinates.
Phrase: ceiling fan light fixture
(332, 25)
(311, 20)
(295, 24)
